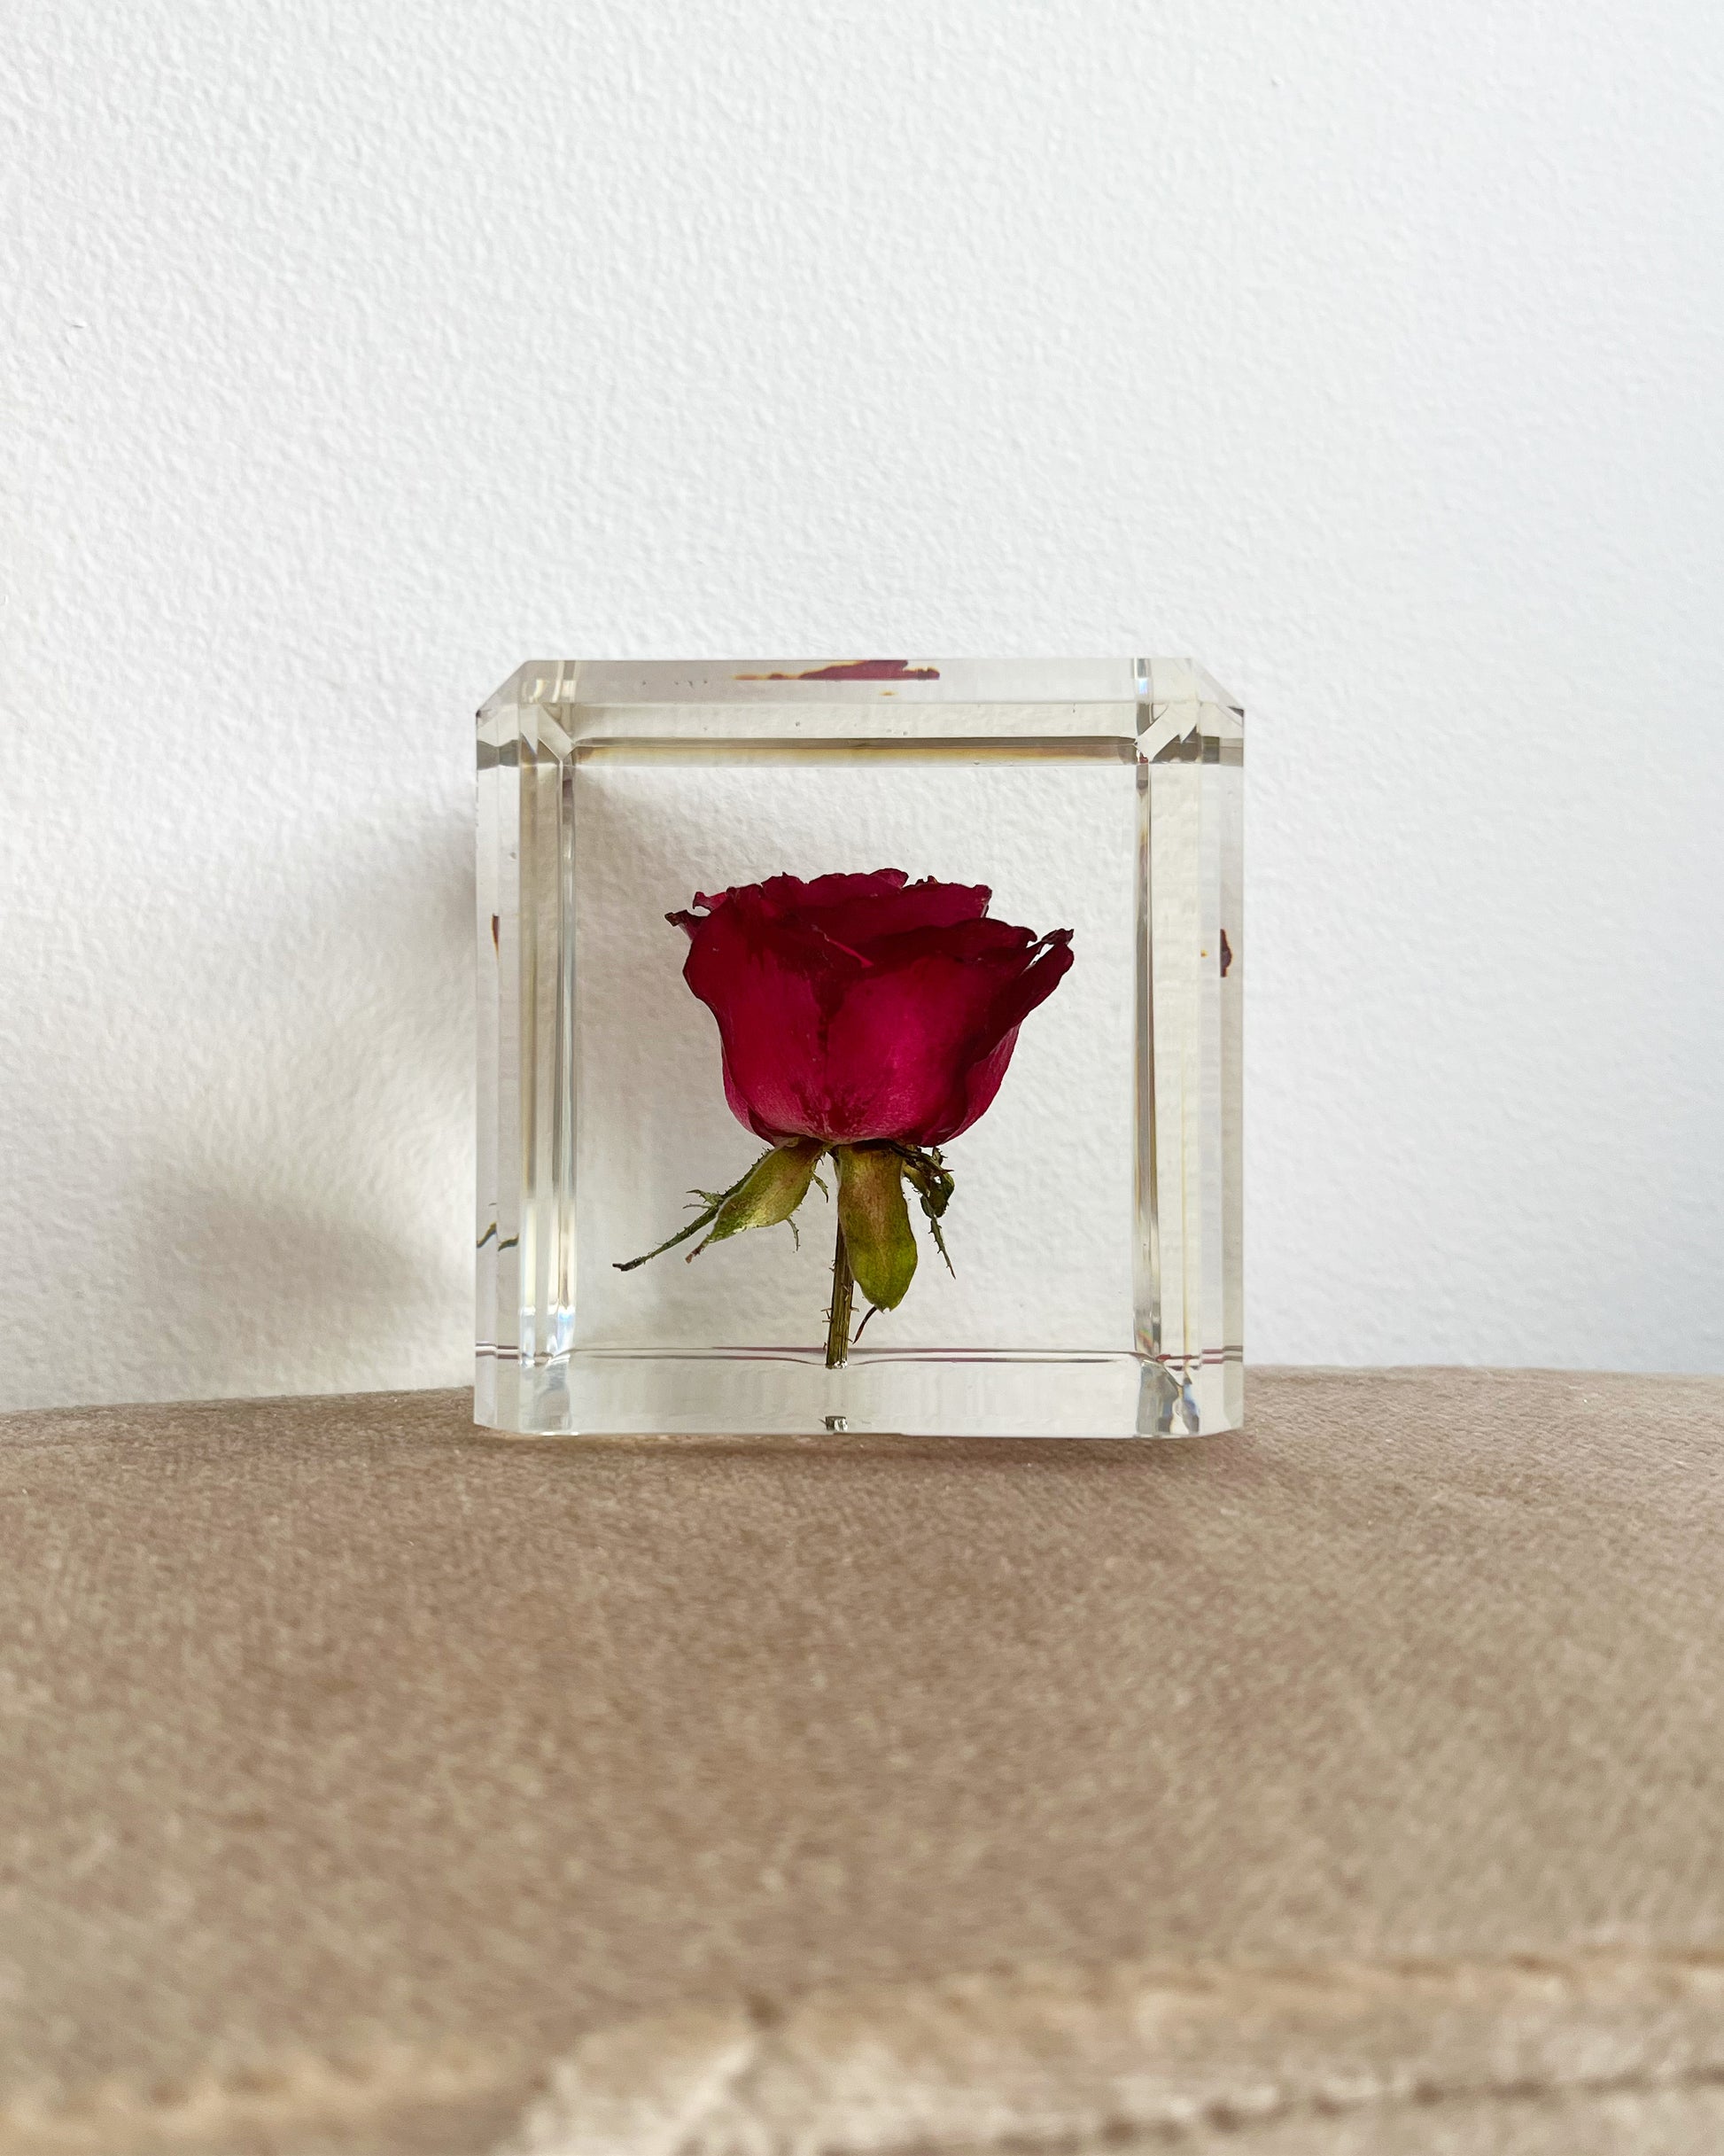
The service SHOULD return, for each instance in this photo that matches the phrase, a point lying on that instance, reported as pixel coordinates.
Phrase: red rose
(862, 1007)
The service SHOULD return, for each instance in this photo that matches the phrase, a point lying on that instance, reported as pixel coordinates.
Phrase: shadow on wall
(304, 1222)
(272, 1297)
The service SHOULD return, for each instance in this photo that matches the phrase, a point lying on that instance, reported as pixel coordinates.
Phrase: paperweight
(860, 1048)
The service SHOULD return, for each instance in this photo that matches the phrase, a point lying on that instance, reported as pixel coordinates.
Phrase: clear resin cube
(896, 1005)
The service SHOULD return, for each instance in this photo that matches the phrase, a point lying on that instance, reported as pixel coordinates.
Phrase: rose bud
(860, 1007)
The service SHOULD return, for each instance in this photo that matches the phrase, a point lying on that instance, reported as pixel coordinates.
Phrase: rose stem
(844, 1288)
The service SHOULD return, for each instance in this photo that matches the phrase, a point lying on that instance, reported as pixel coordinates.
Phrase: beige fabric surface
(1356, 1782)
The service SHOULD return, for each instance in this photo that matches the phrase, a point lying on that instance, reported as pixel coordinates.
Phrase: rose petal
(965, 939)
(981, 1080)
(927, 905)
(790, 894)
(770, 1022)
(934, 1040)
(900, 1042)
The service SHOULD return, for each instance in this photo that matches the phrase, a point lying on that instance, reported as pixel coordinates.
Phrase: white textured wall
(356, 353)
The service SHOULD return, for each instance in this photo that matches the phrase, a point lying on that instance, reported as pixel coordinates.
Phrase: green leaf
(876, 1222)
(769, 1192)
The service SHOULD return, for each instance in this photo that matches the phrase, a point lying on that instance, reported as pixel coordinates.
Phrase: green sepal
(769, 1192)
(932, 1181)
(876, 1222)
(749, 1202)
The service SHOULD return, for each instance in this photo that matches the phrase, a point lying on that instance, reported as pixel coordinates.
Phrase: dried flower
(867, 1016)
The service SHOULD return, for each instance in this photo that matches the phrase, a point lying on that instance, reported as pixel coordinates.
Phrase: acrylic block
(900, 1002)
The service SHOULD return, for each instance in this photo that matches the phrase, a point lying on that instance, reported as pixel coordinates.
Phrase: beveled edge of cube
(860, 681)
(1187, 716)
